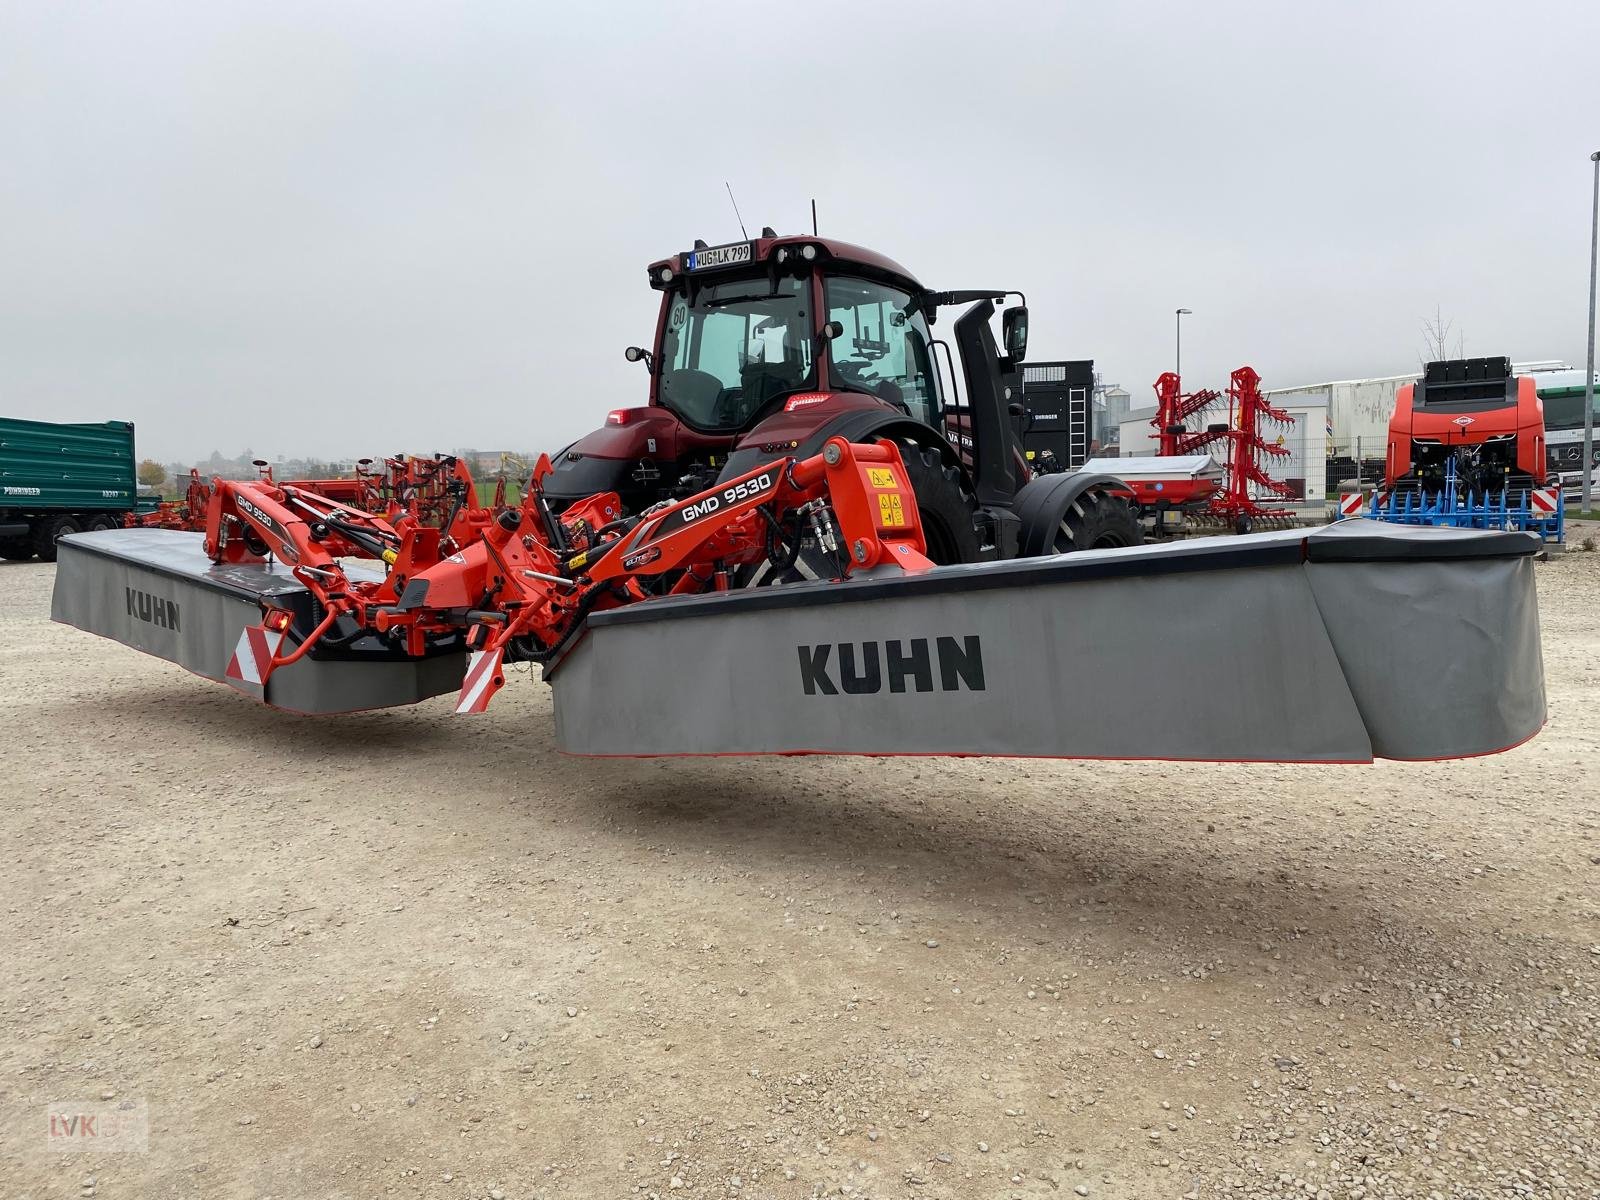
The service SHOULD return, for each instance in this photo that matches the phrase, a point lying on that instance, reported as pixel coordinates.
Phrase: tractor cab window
(883, 351)
(740, 346)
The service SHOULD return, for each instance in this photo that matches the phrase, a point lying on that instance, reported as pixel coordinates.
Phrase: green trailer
(58, 478)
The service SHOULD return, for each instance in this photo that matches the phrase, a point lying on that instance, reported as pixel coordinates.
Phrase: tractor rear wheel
(16, 549)
(48, 532)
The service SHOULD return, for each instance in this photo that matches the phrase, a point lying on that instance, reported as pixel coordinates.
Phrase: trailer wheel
(47, 533)
(104, 521)
(943, 503)
(17, 549)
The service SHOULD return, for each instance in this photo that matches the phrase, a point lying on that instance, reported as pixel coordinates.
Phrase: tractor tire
(1094, 521)
(943, 503)
(16, 549)
(1099, 520)
(104, 521)
(48, 532)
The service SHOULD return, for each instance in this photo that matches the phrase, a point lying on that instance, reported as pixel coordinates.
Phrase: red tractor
(773, 346)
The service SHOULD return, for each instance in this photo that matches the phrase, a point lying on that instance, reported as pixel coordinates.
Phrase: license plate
(719, 256)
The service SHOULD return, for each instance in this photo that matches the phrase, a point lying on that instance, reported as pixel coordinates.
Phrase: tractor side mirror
(639, 354)
(1014, 329)
(831, 330)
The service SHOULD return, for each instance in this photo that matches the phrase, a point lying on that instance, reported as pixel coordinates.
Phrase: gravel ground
(406, 955)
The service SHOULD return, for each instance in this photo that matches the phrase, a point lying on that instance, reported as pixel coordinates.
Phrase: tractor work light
(808, 252)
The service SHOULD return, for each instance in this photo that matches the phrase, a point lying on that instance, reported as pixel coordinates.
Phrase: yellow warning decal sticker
(890, 513)
(881, 477)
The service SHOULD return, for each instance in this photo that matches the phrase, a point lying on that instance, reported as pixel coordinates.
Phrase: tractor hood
(802, 415)
(630, 433)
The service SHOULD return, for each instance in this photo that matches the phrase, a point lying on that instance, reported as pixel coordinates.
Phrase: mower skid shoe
(1337, 644)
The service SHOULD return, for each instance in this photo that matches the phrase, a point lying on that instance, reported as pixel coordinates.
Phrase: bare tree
(1436, 339)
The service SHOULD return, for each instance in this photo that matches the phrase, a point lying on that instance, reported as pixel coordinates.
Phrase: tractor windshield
(738, 347)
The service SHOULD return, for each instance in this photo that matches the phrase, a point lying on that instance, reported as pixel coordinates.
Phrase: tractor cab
(758, 343)
(787, 316)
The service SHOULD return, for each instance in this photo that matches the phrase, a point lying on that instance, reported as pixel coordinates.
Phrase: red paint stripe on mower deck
(1310, 762)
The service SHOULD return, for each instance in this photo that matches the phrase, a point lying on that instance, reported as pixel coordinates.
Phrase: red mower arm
(521, 588)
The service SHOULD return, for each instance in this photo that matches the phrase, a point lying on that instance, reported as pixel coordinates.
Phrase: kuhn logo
(1463, 421)
(22, 491)
(153, 609)
(908, 666)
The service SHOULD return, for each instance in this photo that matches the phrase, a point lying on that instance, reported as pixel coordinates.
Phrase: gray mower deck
(1329, 645)
(155, 590)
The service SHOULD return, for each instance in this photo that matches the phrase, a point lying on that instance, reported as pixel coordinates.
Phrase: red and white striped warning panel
(252, 657)
(1350, 504)
(482, 681)
(1545, 500)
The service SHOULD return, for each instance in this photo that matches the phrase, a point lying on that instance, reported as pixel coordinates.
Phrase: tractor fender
(1044, 500)
(576, 476)
(860, 425)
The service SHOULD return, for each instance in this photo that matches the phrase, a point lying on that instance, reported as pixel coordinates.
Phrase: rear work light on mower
(278, 620)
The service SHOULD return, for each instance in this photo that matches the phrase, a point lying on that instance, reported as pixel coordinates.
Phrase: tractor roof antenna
(735, 204)
(813, 216)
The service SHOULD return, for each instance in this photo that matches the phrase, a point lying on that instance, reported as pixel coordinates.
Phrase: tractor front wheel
(943, 503)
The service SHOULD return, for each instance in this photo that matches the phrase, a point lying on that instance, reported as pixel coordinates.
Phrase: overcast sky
(352, 228)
